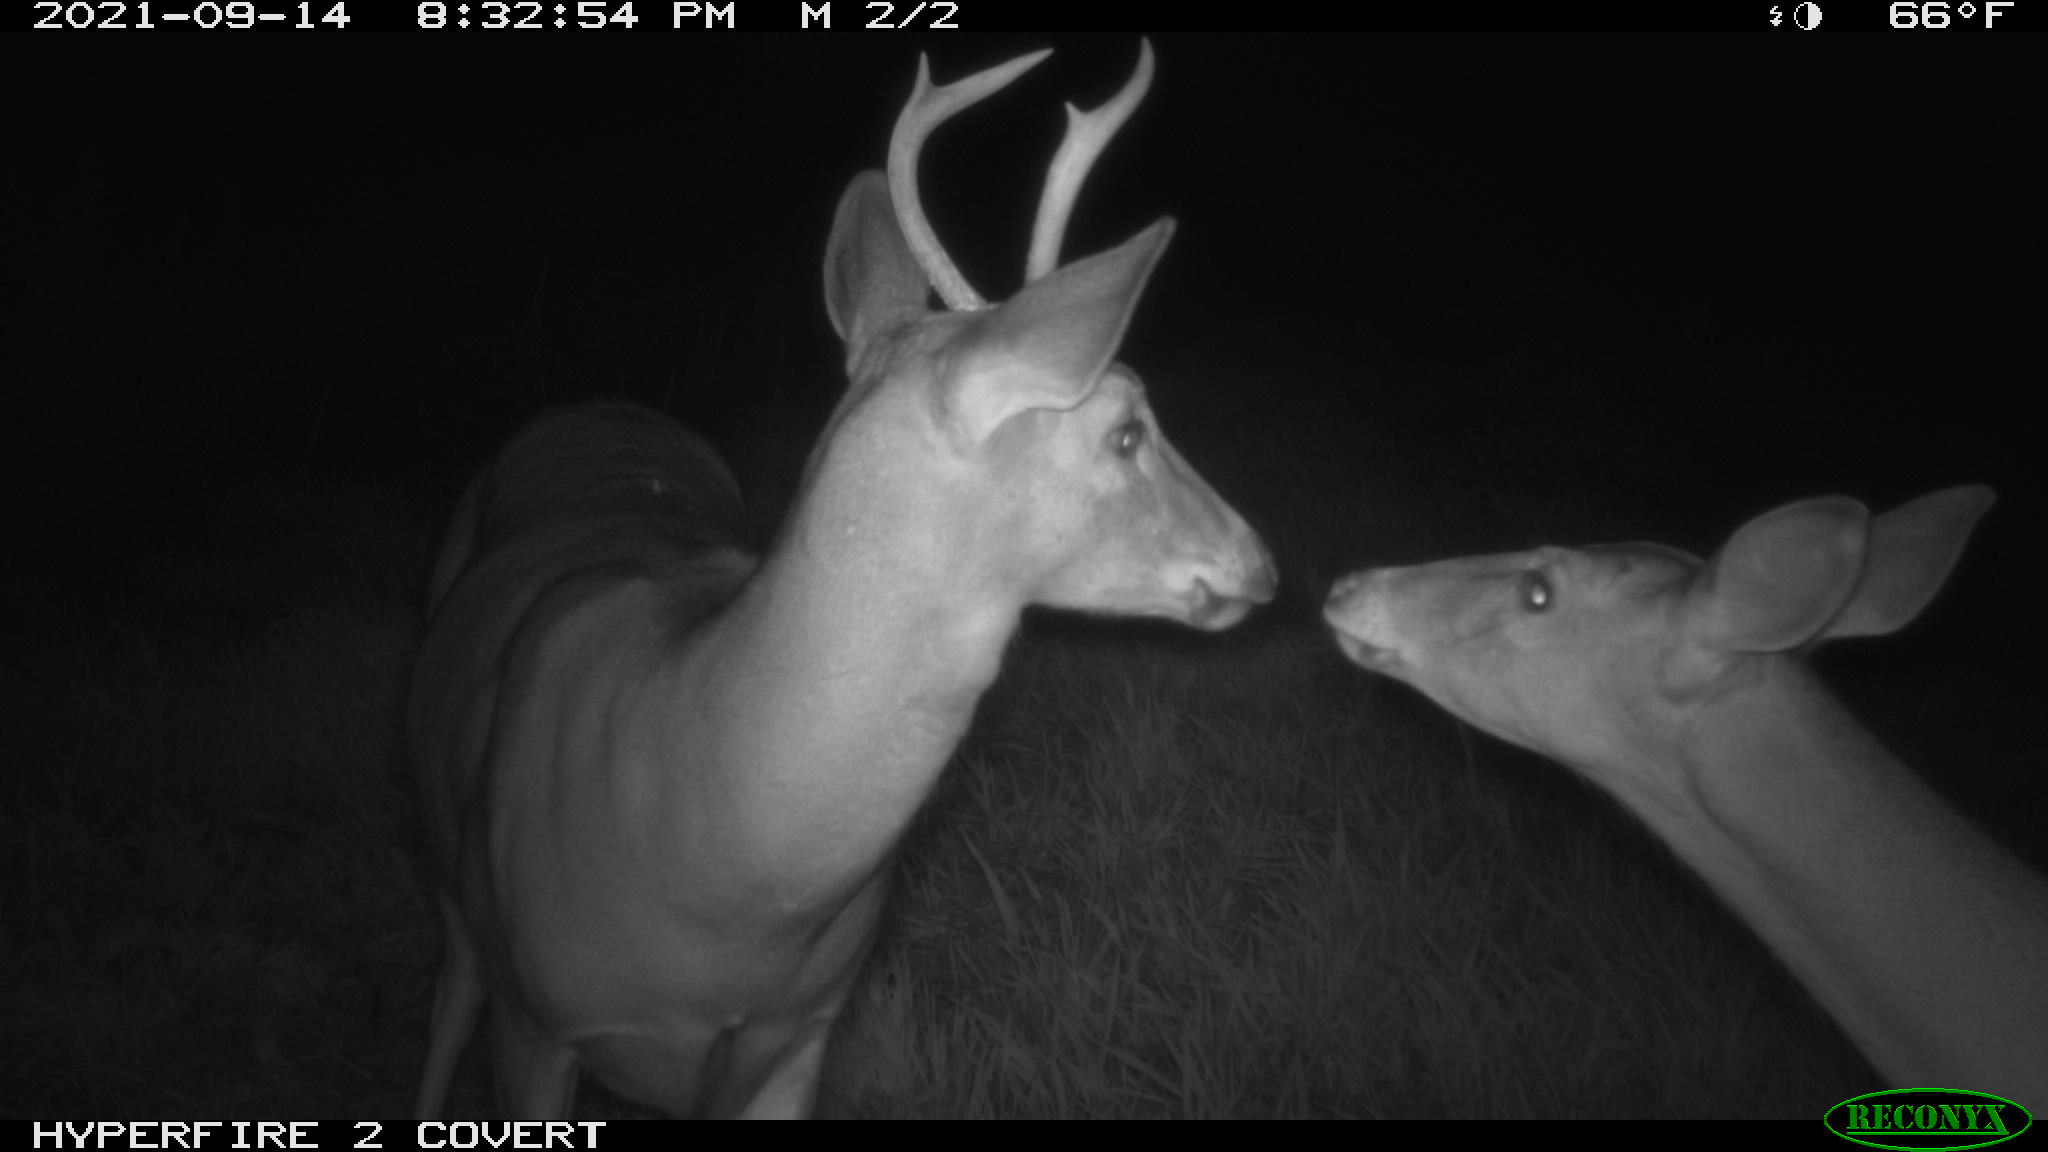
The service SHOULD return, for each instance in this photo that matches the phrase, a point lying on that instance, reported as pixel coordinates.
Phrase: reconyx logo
(1927, 1119)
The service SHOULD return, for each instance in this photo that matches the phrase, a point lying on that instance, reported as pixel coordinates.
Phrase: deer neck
(1864, 883)
(827, 698)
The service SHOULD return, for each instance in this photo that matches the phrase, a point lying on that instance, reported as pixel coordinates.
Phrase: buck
(1674, 684)
(663, 775)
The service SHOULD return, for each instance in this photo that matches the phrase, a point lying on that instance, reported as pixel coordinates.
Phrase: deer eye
(1534, 591)
(1127, 438)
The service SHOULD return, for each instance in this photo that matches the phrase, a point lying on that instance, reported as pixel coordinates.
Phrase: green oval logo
(1927, 1119)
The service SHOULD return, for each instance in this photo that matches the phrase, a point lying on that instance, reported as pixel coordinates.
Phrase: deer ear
(1048, 346)
(1780, 578)
(1913, 548)
(871, 278)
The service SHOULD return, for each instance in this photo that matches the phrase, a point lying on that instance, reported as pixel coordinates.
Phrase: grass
(1167, 875)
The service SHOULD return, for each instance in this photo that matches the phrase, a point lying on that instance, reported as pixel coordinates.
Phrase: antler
(1087, 133)
(928, 108)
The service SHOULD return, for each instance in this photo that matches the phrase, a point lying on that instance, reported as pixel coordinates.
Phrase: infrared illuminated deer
(1673, 684)
(663, 776)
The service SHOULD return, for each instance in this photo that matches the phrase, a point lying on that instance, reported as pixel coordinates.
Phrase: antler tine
(1087, 133)
(928, 108)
